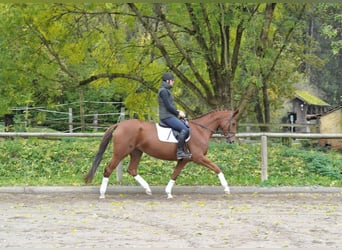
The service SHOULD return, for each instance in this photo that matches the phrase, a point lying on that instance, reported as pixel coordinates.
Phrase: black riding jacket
(166, 102)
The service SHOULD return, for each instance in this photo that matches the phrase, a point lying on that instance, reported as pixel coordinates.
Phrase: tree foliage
(224, 55)
(325, 27)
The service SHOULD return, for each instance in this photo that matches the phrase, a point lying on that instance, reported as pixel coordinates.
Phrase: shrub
(66, 161)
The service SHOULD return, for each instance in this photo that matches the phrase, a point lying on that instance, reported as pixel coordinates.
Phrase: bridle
(226, 133)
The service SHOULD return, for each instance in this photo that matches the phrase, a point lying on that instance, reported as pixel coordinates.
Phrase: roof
(310, 99)
(333, 110)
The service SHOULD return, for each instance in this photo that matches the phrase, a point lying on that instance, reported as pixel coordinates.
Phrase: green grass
(65, 162)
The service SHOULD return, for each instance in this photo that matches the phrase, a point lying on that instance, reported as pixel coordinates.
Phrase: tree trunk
(264, 44)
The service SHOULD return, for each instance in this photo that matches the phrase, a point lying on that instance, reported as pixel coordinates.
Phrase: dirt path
(189, 220)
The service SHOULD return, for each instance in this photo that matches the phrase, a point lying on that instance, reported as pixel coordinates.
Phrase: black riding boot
(180, 147)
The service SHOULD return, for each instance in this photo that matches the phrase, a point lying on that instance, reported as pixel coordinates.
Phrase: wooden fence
(263, 138)
(65, 115)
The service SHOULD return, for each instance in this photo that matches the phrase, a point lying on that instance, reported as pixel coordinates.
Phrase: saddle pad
(166, 134)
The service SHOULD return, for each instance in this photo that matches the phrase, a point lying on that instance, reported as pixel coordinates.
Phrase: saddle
(167, 134)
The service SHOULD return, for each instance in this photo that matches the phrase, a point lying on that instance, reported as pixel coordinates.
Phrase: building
(305, 110)
(331, 123)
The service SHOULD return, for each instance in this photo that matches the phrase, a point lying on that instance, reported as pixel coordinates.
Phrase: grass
(65, 161)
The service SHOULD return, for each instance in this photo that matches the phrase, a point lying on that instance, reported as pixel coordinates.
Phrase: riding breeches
(176, 124)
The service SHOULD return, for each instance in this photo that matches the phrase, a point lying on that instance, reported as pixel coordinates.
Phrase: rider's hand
(181, 114)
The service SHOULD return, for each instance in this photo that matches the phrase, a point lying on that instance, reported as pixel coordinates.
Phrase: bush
(66, 161)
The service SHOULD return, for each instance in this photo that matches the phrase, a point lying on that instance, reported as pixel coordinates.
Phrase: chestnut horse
(135, 137)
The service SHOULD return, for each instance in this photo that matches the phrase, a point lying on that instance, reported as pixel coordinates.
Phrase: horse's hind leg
(168, 189)
(107, 172)
(133, 170)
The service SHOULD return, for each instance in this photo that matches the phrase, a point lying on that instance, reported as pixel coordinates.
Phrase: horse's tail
(102, 148)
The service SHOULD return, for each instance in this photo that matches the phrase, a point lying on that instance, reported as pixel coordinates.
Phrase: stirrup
(183, 155)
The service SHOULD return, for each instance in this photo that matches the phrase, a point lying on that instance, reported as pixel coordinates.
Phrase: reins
(226, 134)
(203, 126)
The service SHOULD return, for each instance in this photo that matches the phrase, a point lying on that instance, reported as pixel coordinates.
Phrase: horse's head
(229, 127)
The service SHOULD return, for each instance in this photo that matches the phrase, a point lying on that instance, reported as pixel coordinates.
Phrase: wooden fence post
(264, 158)
(96, 121)
(70, 121)
(119, 171)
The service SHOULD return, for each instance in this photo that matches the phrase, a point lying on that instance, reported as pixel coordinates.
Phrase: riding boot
(180, 147)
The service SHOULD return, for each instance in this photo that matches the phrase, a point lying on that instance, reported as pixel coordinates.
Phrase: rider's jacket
(166, 103)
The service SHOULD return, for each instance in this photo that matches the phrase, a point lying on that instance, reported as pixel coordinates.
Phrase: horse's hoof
(227, 191)
(148, 192)
(169, 196)
(102, 196)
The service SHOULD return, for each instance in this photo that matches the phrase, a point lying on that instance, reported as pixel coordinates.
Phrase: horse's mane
(212, 111)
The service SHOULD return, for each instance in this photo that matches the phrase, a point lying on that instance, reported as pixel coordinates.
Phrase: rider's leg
(180, 147)
(184, 131)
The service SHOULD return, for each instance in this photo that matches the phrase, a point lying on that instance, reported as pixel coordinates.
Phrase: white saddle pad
(166, 135)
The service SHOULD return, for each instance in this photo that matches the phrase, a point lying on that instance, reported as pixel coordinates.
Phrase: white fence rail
(263, 137)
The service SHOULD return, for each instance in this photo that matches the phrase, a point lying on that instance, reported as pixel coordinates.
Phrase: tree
(325, 23)
(224, 55)
(270, 52)
(202, 46)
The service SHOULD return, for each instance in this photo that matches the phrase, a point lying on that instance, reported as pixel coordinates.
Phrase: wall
(331, 122)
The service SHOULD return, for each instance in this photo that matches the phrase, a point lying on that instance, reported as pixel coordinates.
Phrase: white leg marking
(168, 189)
(103, 187)
(224, 183)
(144, 184)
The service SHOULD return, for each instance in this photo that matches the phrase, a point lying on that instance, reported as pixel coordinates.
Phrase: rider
(168, 113)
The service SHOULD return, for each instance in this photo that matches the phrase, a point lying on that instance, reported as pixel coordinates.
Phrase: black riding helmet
(168, 76)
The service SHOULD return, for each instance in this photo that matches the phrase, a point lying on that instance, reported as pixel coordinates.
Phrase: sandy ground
(187, 221)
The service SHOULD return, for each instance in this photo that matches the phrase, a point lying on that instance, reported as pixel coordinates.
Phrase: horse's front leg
(168, 189)
(209, 164)
(224, 183)
(180, 165)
